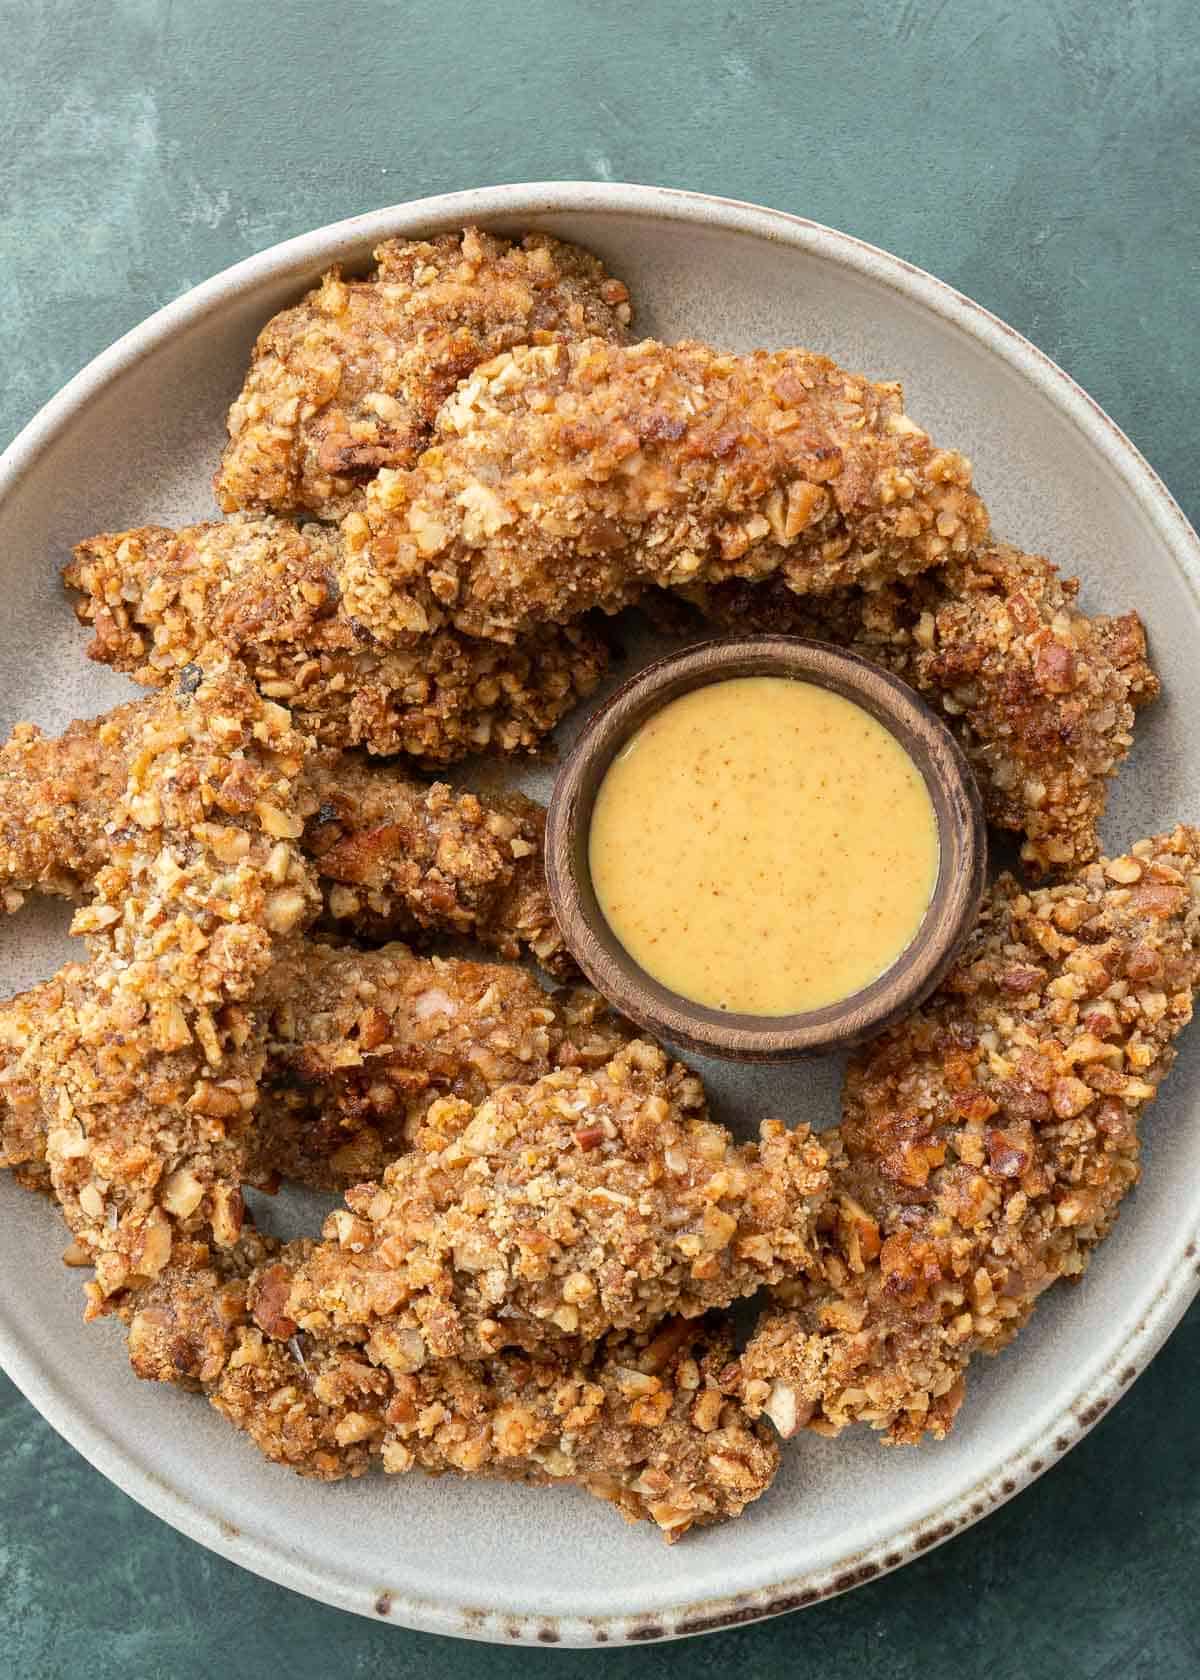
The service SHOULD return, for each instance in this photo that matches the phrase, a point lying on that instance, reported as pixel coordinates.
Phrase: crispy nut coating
(639, 1421)
(573, 476)
(147, 1071)
(396, 856)
(361, 1043)
(349, 380)
(358, 1045)
(22, 1116)
(56, 795)
(986, 1145)
(1040, 696)
(593, 1199)
(271, 595)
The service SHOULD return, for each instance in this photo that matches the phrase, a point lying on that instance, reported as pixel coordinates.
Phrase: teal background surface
(1038, 154)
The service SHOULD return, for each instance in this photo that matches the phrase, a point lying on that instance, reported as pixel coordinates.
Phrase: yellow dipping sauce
(763, 845)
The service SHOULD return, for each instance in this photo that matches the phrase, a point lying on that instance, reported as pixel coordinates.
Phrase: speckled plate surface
(132, 439)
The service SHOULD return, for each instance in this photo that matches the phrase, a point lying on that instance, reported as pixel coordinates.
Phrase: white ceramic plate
(134, 438)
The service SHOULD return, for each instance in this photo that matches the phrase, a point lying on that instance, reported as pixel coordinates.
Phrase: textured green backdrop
(1038, 154)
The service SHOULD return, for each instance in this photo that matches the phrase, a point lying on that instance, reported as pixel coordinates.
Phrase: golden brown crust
(396, 856)
(148, 1069)
(639, 1421)
(1040, 696)
(185, 1322)
(22, 1115)
(56, 795)
(349, 380)
(594, 1199)
(358, 1044)
(400, 858)
(271, 594)
(986, 1144)
(573, 476)
(361, 1043)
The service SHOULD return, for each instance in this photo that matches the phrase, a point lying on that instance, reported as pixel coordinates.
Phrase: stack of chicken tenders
(441, 480)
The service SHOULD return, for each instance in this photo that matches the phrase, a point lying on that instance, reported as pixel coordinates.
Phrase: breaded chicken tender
(574, 476)
(57, 793)
(358, 1044)
(349, 380)
(592, 1200)
(271, 594)
(23, 1121)
(147, 1071)
(396, 856)
(639, 1421)
(361, 1043)
(986, 1144)
(1040, 696)
(399, 857)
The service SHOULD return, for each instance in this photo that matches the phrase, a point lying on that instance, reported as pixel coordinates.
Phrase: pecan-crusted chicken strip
(270, 594)
(399, 857)
(986, 1144)
(349, 380)
(186, 1322)
(574, 476)
(147, 1070)
(593, 1199)
(57, 793)
(1040, 696)
(639, 1421)
(343, 1085)
(360, 1043)
(22, 1114)
(1123, 639)
(396, 856)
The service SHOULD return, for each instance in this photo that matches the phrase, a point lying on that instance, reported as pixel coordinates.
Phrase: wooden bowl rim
(962, 865)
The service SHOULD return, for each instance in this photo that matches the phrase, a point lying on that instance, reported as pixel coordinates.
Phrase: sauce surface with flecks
(763, 845)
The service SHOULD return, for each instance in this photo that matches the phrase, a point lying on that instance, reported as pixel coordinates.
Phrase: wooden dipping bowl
(768, 1038)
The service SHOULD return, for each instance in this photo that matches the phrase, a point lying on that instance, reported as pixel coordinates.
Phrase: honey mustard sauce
(763, 845)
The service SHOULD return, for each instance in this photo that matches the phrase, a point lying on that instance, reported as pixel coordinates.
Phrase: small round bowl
(768, 1038)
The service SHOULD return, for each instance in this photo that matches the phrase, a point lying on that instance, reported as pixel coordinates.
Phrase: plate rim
(1031, 1453)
